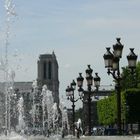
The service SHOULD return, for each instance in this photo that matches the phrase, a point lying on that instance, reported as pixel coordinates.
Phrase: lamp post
(89, 91)
(70, 96)
(132, 59)
(112, 64)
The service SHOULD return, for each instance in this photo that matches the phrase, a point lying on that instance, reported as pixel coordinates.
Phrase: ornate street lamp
(89, 79)
(80, 80)
(132, 59)
(108, 58)
(97, 80)
(112, 64)
(73, 84)
(70, 96)
(118, 48)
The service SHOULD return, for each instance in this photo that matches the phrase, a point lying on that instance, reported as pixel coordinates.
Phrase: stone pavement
(111, 138)
(89, 138)
(71, 138)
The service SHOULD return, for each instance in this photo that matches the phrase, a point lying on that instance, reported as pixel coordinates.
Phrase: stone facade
(48, 74)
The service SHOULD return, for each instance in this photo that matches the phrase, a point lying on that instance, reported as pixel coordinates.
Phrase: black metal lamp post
(97, 80)
(112, 63)
(70, 96)
(132, 59)
(80, 80)
(89, 79)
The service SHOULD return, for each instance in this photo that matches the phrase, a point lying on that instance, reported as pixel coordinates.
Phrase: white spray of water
(55, 117)
(47, 103)
(10, 12)
(21, 123)
(34, 86)
(65, 122)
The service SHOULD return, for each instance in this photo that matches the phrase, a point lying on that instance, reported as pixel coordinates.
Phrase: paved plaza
(91, 138)
(17, 137)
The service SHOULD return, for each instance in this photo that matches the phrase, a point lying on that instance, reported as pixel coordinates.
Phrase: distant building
(47, 66)
(48, 74)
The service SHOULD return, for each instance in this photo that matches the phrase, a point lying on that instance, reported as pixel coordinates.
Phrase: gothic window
(50, 70)
(44, 70)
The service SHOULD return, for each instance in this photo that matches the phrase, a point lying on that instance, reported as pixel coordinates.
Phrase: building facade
(48, 74)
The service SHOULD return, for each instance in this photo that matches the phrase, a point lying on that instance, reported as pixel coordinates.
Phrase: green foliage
(138, 74)
(107, 110)
(133, 105)
(123, 105)
(130, 100)
(130, 80)
(126, 81)
(78, 114)
(130, 107)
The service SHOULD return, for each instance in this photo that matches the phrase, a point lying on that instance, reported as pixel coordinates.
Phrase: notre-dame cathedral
(48, 74)
(47, 66)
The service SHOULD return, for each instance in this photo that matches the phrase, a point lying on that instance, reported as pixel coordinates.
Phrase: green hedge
(106, 109)
(130, 107)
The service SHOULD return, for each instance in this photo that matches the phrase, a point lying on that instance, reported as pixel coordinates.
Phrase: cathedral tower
(48, 74)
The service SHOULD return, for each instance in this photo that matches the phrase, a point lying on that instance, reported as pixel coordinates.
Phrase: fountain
(50, 112)
(47, 103)
(50, 116)
(4, 66)
(21, 123)
(34, 86)
(65, 123)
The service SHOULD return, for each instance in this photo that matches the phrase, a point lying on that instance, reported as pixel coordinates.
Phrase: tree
(107, 110)
(130, 80)
(138, 74)
(79, 114)
(132, 97)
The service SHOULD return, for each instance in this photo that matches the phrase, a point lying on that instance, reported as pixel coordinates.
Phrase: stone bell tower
(48, 74)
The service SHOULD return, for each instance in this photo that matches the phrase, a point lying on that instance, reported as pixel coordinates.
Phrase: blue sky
(77, 30)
